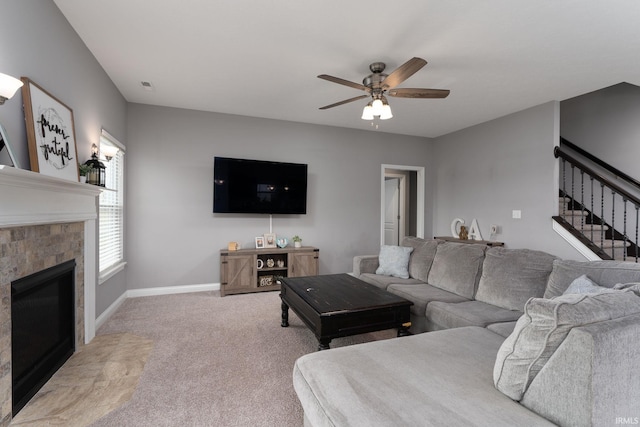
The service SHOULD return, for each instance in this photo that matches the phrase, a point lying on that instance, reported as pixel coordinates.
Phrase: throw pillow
(544, 326)
(584, 285)
(394, 261)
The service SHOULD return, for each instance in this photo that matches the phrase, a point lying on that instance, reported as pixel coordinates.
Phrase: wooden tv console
(239, 272)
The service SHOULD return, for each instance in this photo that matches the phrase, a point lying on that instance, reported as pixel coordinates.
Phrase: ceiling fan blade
(403, 72)
(418, 93)
(343, 82)
(346, 101)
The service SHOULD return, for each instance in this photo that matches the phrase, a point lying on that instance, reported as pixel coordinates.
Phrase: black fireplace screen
(42, 328)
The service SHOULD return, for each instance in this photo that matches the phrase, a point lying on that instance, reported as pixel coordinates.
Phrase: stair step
(608, 244)
(574, 213)
(577, 217)
(577, 223)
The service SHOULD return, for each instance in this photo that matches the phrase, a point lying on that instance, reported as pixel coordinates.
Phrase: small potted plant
(297, 241)
(83, 170)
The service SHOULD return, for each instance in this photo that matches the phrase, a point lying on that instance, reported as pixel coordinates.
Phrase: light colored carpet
(215, 361)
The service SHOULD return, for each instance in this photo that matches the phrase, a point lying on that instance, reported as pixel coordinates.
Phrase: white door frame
(401, 218)
(420, 184)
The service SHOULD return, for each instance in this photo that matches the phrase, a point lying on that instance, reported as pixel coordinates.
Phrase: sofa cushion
(604, 273)
(457, 267)
(394, 261)
(444, 315)
(437, 379)
(543, 327)
(423, 294)
(511, 276)
(504, 329)
(383, 282)
(422, 256)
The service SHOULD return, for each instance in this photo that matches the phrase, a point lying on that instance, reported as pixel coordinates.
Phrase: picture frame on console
(270, 240)
(260, 242)
(50, 133)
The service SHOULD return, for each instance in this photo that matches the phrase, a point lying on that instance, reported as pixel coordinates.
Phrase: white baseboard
(169, 290)
(147, 292)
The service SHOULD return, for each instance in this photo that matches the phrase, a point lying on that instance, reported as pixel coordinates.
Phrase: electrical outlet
(516, 214)
(494, 229)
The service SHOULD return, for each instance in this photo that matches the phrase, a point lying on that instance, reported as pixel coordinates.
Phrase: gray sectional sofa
(460, 284)
(508, 344)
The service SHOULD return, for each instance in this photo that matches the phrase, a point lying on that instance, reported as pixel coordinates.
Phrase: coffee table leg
(323, 344)
(285, 315)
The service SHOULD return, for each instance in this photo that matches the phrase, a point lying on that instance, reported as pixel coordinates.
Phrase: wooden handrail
(599, 162)
(559, 152)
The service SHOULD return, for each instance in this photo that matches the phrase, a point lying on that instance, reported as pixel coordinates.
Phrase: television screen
(257, 186)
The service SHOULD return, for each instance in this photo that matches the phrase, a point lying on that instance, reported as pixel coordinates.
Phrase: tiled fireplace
(44, 221)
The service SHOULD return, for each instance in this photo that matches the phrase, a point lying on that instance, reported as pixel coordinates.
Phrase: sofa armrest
(592, 378)
(365, 264)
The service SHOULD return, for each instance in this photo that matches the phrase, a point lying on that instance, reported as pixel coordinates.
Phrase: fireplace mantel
(30, 198)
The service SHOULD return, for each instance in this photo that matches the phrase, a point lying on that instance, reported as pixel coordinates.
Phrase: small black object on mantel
(96, 174)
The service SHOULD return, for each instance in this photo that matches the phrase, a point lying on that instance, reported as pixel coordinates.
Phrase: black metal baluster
(624, 231)
(573, 179)
(613, 222)
(582, 202)
(602, 215)
(637, 218)
(592, 223)
(564, 188)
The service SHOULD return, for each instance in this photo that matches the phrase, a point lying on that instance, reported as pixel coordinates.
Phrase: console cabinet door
(238, 273)
(303, 264)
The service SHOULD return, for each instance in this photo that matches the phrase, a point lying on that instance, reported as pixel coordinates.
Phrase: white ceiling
(261, 57)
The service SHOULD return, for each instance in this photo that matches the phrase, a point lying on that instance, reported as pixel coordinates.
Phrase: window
(111, 212)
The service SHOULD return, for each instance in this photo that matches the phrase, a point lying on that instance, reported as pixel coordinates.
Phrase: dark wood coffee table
(339, 305)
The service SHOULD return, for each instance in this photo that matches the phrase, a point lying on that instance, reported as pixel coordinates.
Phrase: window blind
(111, 208)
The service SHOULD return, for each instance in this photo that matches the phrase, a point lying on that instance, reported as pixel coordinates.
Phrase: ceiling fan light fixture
(386, 112)
(377, 107)
(367, 112)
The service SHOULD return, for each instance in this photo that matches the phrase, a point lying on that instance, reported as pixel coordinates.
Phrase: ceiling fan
(379, 84)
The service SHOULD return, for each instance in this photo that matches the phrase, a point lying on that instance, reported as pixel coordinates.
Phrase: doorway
(402, 203)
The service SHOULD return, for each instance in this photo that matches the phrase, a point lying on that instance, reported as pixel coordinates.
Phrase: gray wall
(605, 123)
(174, 238)
(36, 41)
(486, 171)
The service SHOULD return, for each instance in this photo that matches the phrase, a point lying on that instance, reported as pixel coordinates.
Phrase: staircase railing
(587, 190)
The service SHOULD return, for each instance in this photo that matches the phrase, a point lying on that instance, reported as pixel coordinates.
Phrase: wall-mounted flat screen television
(259, 187)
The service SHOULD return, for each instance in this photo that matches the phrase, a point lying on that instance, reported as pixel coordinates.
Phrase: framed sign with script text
(50, 133)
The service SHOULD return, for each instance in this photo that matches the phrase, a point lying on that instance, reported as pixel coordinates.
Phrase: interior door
(411, 200)
(392, 211)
